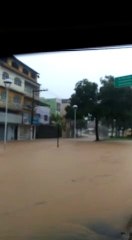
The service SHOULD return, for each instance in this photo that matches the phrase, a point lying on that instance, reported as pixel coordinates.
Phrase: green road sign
(124, 81)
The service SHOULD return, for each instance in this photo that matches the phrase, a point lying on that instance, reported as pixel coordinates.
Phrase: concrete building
(24, 81)
(64, 104)
(42, 115)
(54, 103)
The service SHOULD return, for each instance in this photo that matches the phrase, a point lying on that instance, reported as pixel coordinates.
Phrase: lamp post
(86, 119)
(75, 113)
(32, 113)
(7, 83)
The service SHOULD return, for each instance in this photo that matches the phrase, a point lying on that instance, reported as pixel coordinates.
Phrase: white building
(64, 104)
(42, 115)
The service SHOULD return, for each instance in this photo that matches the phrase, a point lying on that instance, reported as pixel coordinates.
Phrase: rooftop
(65, 100)
(13, 57)
(21, 63)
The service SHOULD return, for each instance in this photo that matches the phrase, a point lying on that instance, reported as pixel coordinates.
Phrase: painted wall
(42, 115)
(12, 75)
(10, 132)
(54, 103)
(22, 89)
(24, 132)
(12, 101)
(12, 118)
(63, 106)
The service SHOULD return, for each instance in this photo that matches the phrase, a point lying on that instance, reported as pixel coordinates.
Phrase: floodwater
(82, 190)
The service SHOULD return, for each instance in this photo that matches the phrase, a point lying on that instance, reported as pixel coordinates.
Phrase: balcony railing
(27, 106)
(11, 105)
(12, 118)
(30, 94)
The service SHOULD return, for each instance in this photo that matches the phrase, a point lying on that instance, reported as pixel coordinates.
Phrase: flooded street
(82, 190)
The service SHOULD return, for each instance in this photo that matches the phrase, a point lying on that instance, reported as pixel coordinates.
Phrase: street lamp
(75, 112)
(7, 83)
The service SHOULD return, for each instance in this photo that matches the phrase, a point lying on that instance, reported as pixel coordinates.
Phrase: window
(28, 104)
(3, 95)
(33, 75)
(25, 71)
(18, 81)
(5, 75)
(15, 65)
(58, 107)
(28, 88)
(45, 118)
(17, 99)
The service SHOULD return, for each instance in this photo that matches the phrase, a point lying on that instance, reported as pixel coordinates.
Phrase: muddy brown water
(82, 190)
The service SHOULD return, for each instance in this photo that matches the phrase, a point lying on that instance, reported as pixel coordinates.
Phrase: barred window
(18, 81)
(5, 75)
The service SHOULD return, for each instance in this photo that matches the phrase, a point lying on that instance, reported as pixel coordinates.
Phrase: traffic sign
(124, 81)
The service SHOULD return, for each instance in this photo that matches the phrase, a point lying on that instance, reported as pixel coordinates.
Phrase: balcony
(11, 105)
(30, 94)
(27, 106)
(12, 118)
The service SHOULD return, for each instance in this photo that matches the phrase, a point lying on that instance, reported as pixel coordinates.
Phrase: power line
(53, 93)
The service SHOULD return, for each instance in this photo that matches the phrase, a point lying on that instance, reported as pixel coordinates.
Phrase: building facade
(42, 115)
(64, 104)
(54, 103)
(24, 82)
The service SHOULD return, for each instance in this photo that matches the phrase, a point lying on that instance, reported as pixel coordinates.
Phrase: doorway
(16, 130)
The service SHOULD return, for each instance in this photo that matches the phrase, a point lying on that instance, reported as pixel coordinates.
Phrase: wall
(63, 111)
(52, 102)
(12, 75)
(42, 112)
(11, 103)
(28, 103)
(12, 118)
(24, 132)
(21, 89)
(10, 132)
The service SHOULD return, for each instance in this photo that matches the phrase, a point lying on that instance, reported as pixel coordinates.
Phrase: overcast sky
(60, 71)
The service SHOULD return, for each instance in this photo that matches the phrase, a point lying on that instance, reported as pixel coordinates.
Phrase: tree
(86, 97)
(116, 104)
(57, 119)
(111, 105)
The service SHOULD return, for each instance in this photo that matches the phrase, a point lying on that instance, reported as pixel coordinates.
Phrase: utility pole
(33, 105)
(75, 119)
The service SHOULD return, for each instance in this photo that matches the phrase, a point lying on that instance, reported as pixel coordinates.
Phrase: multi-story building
(24, 81)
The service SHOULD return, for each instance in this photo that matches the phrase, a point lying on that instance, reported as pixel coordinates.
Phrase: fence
(48, 131)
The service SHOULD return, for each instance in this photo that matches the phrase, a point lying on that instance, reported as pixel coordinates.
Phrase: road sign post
(124, 81)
